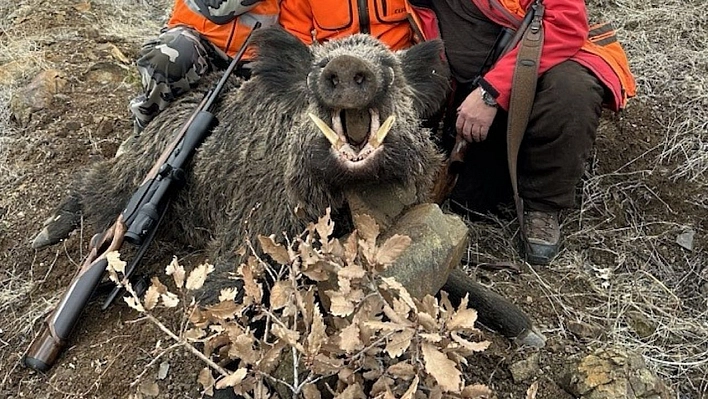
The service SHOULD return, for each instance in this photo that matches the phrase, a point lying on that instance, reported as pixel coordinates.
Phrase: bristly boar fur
(267, 157)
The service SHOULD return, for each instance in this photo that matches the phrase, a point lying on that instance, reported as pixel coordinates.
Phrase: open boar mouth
(355, 134)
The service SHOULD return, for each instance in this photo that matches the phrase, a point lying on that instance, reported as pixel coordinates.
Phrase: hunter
(582, 69)
(199, 37)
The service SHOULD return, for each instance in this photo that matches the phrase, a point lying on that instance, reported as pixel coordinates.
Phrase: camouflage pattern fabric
(221, 11)
(171, 65)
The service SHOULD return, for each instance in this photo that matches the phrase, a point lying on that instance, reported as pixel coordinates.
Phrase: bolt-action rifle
(137, 225)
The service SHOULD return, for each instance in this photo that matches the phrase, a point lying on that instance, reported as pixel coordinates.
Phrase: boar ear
(428, 74)
(282, 61)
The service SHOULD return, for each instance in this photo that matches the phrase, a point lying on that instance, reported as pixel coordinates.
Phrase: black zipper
(363, 16)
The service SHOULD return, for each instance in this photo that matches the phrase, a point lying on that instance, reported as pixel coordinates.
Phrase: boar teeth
(380, 134)
(327, 131)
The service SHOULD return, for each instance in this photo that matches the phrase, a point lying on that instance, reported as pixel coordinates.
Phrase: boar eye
(323, 63)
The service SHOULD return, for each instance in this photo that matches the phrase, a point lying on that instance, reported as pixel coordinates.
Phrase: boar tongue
(357, 125)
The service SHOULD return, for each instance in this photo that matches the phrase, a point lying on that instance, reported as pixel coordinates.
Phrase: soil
(114, 353)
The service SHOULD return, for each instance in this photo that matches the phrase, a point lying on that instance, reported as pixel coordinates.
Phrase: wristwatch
(487, 98)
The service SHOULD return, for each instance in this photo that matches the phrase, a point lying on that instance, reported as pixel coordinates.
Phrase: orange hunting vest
(395, 22)
(228, 37)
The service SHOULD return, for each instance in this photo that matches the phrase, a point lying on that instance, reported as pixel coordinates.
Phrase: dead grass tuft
(666, 45)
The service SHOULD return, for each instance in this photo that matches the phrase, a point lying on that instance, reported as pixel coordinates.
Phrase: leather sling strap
(523, 91)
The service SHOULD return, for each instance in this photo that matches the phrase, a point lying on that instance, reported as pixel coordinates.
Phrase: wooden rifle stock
(137, 224)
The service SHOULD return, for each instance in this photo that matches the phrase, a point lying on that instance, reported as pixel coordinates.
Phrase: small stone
(73, 125)
(641, 324)
(525, 369)
(149, 388)
(162, 372)
(584, 330)
(685, 239)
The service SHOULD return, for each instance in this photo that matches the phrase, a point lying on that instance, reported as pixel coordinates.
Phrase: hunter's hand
(474, 117)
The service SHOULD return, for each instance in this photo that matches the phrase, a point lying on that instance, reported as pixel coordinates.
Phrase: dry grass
(666, 43)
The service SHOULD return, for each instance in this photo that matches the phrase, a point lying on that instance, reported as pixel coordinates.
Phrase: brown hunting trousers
(555, 148)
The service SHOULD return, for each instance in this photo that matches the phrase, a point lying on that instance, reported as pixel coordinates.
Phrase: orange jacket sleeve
(565, 30)
(296, 18)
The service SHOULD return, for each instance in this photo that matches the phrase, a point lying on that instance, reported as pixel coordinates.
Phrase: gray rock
(438, 239)
(526, 369)
(438, 243)
(37, 95)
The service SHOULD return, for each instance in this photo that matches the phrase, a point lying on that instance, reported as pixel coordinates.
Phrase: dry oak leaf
(410, 392)
(228, 294)
(291, 337)
(392, 249)
(317, 336)
(152, 295)
(428, 322)
(441, 368)
(366, 227)
(169, 300)
(462, 320)
(197, 276)
(353, 391)
(352, 271)
(325, 226)
(351, 249)
(270, 360)
(339, 305)
(194, 334)
(399, 342)
(242, 348)
(349, 340)
(323, 365)
(477, 391)
(115, 264)
(381, 389)
(207, 381)
(251, 288)
(402, 370)
(280, 294)
(403, 294)
(133, 303)
(232, 379)
(469, 345)
(176, 270)
(223, 310)
(276, 251)
(429, 305)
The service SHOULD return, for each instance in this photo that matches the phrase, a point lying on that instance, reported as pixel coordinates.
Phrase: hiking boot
(540, 236)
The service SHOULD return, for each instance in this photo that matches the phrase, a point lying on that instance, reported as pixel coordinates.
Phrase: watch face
(488, 99)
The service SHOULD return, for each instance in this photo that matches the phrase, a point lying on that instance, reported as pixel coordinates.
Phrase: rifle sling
(523, 91)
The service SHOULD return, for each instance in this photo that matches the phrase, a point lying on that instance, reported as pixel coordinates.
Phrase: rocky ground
(624, 306)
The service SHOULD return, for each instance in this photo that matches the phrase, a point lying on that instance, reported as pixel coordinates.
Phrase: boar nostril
(347, 82)
(359, 78)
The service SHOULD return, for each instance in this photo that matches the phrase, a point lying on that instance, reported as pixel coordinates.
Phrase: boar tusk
(380, 134)
(327, 131)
